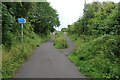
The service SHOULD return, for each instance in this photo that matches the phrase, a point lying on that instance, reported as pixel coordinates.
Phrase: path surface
(48, 62)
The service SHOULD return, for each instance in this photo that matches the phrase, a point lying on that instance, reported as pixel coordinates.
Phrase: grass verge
(14, 57)
(95, 57)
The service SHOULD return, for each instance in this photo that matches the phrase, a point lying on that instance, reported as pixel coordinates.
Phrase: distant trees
(64, 29)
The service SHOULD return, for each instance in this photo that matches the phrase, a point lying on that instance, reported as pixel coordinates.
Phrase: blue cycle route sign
(21, 20)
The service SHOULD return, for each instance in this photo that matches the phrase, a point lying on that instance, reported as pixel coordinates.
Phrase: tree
(41, 19)
(64, 29)
(45, 18)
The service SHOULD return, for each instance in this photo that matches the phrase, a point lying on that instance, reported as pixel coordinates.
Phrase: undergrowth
(60, 42)
(96, 58)
(14, 57)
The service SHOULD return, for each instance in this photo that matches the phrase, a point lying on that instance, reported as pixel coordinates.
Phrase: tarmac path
(48, 62)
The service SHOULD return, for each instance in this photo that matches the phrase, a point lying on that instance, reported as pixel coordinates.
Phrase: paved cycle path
(48, 62)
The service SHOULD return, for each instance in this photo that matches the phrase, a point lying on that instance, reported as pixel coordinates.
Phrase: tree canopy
(41, 19)
(99, 27)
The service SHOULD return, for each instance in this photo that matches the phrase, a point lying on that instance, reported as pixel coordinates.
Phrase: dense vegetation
(41, 20)
(60, 41)
(97, 35)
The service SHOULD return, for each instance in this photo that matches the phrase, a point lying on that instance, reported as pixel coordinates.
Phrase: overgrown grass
(14, 57)
(60, 42)
(95, 57)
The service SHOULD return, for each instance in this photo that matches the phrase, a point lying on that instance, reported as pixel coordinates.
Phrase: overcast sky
(70, 10)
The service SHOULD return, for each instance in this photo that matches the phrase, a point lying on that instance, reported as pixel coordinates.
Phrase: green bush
(97, 36)
(96, 57)
(60, 42)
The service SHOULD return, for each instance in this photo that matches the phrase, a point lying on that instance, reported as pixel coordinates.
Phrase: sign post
(22, 21)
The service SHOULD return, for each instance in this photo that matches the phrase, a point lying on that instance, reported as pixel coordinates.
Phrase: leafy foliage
(60, 42)
(41, 19)
(97, 36)
(64, 29)
(45, 18)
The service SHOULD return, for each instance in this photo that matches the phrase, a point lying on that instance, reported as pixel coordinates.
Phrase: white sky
(70, 10)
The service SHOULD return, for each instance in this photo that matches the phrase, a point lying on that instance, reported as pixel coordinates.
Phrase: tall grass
(14, 57)
(95, 57)
(60, 42)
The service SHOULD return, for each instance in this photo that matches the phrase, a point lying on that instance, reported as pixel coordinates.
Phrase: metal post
(22, 38)
(22, 21)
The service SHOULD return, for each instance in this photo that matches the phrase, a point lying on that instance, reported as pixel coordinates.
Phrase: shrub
(60, 42)
(96, 57)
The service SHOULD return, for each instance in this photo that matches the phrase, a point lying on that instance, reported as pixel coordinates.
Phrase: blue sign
(21, 20)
